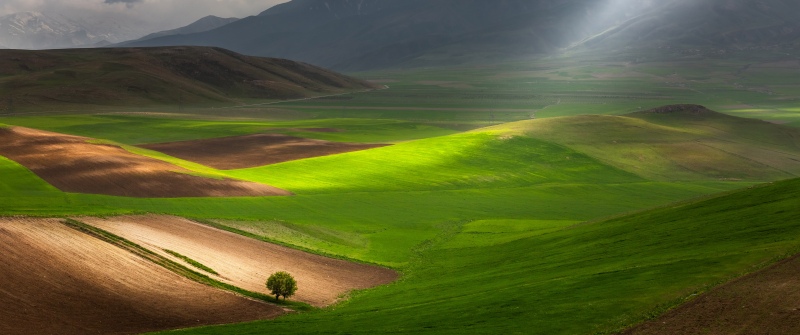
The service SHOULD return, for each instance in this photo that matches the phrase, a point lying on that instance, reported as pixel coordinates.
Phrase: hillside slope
(204, 24)
(156, 76)
(540, 277)
(677, 142)
(64, 281)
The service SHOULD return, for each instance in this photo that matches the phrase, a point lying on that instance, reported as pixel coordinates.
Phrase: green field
(557, 278)
(583, 220)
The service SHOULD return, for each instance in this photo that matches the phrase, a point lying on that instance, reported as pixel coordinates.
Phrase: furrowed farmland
(548, 197)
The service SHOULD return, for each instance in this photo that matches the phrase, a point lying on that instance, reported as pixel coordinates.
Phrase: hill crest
(188, 76)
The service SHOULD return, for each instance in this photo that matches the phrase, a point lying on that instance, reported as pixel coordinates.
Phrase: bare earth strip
(765, 302)
(238, 152)
(57, 280)
(72, 164)
(246, 262)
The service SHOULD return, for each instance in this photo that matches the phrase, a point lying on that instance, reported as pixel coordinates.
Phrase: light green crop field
(560, 224)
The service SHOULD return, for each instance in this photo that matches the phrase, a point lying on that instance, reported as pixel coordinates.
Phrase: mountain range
(205, 24)
(354, 35)
(369, 34)
(35, 30)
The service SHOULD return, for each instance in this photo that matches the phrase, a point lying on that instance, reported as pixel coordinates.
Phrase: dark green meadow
(516, 198)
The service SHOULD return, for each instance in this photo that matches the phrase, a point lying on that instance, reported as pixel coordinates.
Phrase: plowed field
(73, 164)
(239, 152)
(765, 302)
(246, 262)
(57, 280)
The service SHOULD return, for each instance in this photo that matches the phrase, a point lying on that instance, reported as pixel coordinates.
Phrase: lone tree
(281, 284)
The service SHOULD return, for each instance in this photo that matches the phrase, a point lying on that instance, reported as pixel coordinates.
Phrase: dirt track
(71, 164)
(56, 280)
(765, 302)
(245, 262)
(239, 152)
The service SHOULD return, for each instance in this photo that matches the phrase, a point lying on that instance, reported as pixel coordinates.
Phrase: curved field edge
(763, 302)
(244, 262)
(171, 265)
(67, 282)
(583, 279)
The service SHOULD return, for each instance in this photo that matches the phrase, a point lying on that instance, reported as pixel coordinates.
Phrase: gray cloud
(145, 16)
(128, 3)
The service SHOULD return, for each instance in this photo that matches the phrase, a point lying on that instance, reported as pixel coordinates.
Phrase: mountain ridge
(204, 24)
(354, 35)
(157, 76)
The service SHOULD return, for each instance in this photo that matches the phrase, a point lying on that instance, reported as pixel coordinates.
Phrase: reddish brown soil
(246, 262)
(57, 280)
(765, 302)
(239, 152)
(72, 164)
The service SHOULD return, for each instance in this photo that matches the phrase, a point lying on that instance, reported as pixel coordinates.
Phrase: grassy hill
(176, 76)
(679, 142)
(555, 278)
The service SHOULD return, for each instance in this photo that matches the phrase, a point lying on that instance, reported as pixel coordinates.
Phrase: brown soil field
(57, 280)
(765, 302)
(72, 164)
(239, 152)
(246, 262)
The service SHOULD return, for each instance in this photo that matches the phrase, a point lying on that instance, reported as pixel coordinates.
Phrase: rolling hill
(548, 277)
(676, 142)
(32, 80)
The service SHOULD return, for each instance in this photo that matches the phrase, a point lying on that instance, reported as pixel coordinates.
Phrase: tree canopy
(281, 284)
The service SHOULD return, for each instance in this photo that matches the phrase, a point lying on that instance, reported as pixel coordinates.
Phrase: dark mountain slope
(150, 76)
(368, 34)
(354, 35)
(722, 24)
(205, 24)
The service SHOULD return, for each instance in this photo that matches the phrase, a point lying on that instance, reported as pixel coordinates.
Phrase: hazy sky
(158, 14)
